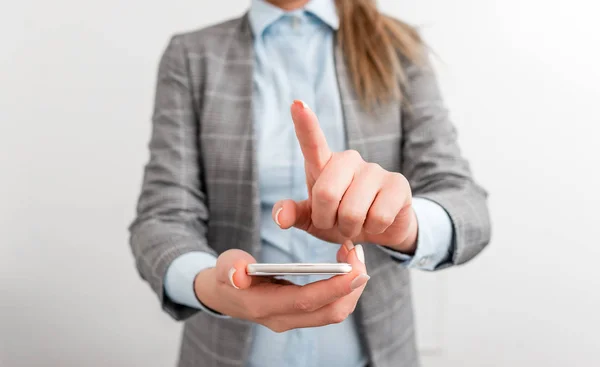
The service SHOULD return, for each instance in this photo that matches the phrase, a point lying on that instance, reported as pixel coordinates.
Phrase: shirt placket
(302, 88)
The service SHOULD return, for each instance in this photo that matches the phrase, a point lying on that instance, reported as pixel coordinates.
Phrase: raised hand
(348, 197)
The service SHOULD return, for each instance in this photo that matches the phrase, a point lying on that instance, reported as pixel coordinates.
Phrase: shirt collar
(326, 11)
(262, 14)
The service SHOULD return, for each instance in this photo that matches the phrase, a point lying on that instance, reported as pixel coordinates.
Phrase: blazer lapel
(228, 141)
(375, 134)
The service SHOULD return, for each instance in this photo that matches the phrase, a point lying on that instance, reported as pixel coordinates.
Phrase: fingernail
(359, 281)
(300, 103)
(360, 253)
(230, 274)
(277, 216)
(349, 245)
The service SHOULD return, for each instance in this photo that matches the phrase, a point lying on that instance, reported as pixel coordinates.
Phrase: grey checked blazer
(200, 188)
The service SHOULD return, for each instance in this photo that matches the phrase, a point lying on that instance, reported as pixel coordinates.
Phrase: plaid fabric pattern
(200, 190)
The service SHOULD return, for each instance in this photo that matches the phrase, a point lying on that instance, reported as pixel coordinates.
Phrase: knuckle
(340, 292)
(349, 231)
(350, 222)
(320, 223)
(303, 305)
(312, 144)
(373, 167)
(325, 194)
(352, 154)
(399, 179)
(352, 217)
(383, 219)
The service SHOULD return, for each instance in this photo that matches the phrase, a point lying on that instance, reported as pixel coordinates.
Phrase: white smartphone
(298, 269)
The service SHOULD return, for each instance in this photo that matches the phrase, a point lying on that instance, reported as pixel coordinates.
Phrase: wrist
(408, 246)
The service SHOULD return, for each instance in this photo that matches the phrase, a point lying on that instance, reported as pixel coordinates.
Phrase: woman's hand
(279, 304)
(348, 198)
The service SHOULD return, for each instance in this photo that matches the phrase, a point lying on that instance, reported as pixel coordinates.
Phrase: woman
(366, 155)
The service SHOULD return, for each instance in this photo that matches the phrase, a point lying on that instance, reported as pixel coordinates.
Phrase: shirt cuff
(434, 238)
(179, 279)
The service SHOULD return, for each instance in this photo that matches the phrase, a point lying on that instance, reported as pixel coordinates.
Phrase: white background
(76, 86)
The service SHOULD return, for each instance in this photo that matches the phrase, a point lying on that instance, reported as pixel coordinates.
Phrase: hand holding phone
(278, 304)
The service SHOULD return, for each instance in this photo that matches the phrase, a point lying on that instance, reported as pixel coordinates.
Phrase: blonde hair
(373, 44)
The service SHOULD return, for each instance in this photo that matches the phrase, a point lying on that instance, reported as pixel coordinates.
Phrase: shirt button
(424, 261)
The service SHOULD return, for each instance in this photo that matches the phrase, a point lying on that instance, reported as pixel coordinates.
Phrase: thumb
(289, 213)
(231, 269)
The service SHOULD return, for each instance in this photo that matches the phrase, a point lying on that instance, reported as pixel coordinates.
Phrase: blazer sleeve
(171, 211)
(436, 170)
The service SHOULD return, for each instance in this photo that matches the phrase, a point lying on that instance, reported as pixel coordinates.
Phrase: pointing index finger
(312, 140)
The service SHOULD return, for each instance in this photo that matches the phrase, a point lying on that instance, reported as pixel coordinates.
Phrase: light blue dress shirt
(294, 60)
